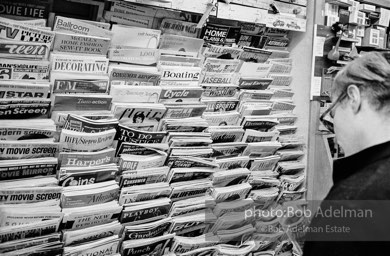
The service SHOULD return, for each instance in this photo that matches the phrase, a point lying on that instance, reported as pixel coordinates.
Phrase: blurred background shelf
(382, 3)
(371, 48)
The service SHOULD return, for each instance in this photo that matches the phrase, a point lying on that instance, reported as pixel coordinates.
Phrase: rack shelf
(347, 39)
(236, 11)
(198, 6)
(339, 3)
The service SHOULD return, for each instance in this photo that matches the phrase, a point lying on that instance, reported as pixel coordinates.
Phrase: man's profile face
(333, 114)
(343, 120)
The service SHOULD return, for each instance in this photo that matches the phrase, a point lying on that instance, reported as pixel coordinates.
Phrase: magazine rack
(293, 49)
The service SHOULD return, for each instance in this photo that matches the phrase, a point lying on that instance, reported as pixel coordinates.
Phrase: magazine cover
(216, 90)
(179, 61)
(72, 102)
(127, 76)
(27, 133)
(137, 56)
(89, 195)
(220, 104)
(23, 89)
(18, 169)
(127, 134)
(141, 116)
(219, 79)
(129, 20)
(256, 55)
(24, 33)
(180, 45)
(24, 50)
(86, 159)
(24, 69)
(180, 73)
(222, 52)
(134, 37)
(126, 93)
(151, 246)
(80, 176)
(32, 9)
(175, 94)
(81, 124)
(80, 64)
(76, 26)
(78, 83)
(213, 65)
(80, 44)
(82, 141)
(179, 27)
(220, 34)
(254, 83)
(148, 230)
(143, 177)
(22, 108)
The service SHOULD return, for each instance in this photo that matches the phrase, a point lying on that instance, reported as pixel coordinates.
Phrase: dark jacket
(361, 182)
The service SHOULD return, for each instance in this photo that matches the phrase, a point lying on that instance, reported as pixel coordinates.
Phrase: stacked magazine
(146, 136)
(81, 108)
(30, 196)
(78, 77)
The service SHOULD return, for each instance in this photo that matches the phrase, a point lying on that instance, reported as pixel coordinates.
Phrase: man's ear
(354, 97)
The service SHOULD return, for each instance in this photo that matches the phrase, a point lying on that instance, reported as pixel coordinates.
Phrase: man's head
(361, 99)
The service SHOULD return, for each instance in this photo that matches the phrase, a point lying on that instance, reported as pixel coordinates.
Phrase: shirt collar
(345, 167)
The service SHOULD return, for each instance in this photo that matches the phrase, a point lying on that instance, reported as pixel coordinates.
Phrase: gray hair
(371, 73)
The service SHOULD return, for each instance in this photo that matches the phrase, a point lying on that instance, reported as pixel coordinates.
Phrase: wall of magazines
(145, 135)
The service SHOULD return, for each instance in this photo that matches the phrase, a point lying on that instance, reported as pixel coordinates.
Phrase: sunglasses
(329, 124)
